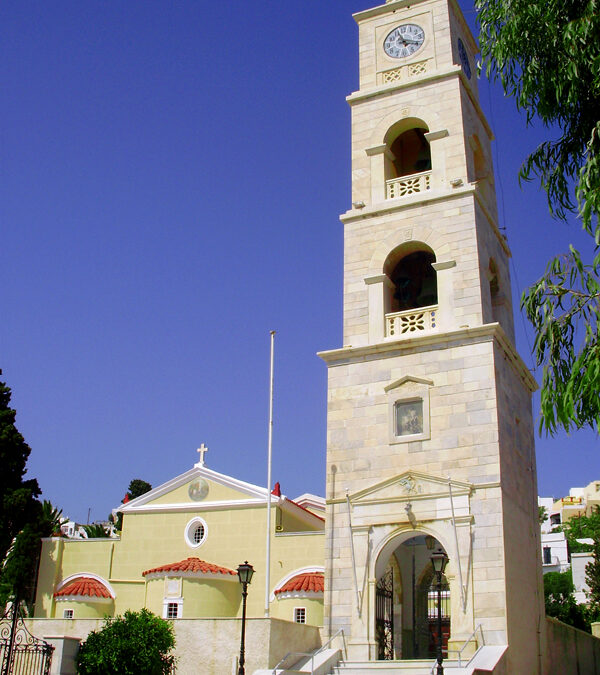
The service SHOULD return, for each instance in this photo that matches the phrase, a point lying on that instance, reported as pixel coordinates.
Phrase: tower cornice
(453, 71)
(462, 336)
(385, 9)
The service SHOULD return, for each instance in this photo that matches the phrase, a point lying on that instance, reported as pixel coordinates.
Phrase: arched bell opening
(406, 600)
(408, 158)
(413, 285)
(411, 153)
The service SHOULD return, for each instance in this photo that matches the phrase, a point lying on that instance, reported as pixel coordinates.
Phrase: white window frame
(190, 528)
(297, 610)
(68, 614)
(172, 601)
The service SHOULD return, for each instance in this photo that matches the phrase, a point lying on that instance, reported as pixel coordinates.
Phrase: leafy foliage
(560, 601)
(582, 527)
(592, 578)
(546, 54)
(564, 310)
(137, 488)
(18, 504)
(542, 514)
(96, 531)
(19, 573)
(132, 644)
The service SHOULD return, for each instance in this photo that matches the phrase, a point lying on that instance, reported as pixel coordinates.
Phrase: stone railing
(404, 73)
(408, 185)
(422, 319)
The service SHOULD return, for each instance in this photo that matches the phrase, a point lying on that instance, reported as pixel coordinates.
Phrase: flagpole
(268, 556)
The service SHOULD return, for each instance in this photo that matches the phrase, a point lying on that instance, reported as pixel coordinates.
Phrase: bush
(137, 643)
(560, 601)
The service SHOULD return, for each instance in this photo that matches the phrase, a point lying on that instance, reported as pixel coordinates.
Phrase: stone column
(438, 158)
(445, 288)
(378, 155)
(380, 288)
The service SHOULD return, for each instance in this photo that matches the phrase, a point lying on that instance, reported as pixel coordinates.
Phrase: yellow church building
(178, 552)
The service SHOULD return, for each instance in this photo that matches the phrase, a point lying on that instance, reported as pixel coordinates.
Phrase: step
(408, 667)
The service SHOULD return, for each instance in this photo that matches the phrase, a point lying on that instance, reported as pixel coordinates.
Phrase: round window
(195, 532)
(198, 534)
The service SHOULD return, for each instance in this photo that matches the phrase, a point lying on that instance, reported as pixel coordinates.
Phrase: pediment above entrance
(410, 486)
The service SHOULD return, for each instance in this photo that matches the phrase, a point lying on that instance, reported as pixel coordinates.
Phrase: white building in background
(72, 530)
(555, 553)
(579, 562)
(581, 501)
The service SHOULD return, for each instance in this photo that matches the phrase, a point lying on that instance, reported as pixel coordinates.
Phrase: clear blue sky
(171, 179)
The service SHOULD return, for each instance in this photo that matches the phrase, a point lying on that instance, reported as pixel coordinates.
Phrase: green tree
(18, 503)
(137, 488)
(133, 644)
(592, 578)
(546, 54)
(18, 579)
(582, 527)
(542, 514)
(560, 601)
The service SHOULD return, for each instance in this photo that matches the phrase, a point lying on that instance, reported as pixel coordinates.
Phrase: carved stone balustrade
(409, 322)
(408, 185)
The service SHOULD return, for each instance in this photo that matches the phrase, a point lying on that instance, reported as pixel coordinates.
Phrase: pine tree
(18, 503)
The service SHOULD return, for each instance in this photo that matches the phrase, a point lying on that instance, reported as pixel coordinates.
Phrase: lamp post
(439, 560)
(245, 572)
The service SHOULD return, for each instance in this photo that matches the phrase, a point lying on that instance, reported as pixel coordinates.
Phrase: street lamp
(439, 560)
(245, 572)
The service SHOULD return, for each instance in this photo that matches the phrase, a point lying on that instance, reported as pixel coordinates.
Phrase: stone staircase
(413, 667)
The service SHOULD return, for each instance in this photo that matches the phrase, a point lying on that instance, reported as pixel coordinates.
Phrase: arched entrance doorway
(406, 600)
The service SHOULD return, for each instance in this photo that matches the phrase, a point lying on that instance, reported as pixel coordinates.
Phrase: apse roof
(306, 582)
(190, 566)
(85, 587)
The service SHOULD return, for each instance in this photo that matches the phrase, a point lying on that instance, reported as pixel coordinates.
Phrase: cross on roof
(201, 450)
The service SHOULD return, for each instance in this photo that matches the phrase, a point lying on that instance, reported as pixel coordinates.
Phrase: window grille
(300, 614)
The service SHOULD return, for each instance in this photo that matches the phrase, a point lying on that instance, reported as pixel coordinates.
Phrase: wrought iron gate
(384, 616)
(20, 652)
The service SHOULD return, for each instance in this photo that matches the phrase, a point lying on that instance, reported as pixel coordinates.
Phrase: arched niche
(384, 272)
(413, 279)
(408, 150)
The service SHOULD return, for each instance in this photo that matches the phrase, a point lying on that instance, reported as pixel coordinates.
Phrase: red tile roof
(191, 565)
(84, 586)
(310, 581)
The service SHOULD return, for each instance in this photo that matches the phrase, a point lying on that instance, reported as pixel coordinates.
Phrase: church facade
(178, 553)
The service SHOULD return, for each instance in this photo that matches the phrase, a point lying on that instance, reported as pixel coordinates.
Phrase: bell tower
(430, 434)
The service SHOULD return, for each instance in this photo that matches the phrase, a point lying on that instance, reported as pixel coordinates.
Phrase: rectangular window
(408, 417)
(172, 610)
(547, 555)
(67, 613)
(300, 614)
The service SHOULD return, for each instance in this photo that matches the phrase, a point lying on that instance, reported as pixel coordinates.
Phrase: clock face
(404, 41)
(464, 58)
(198, 490)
